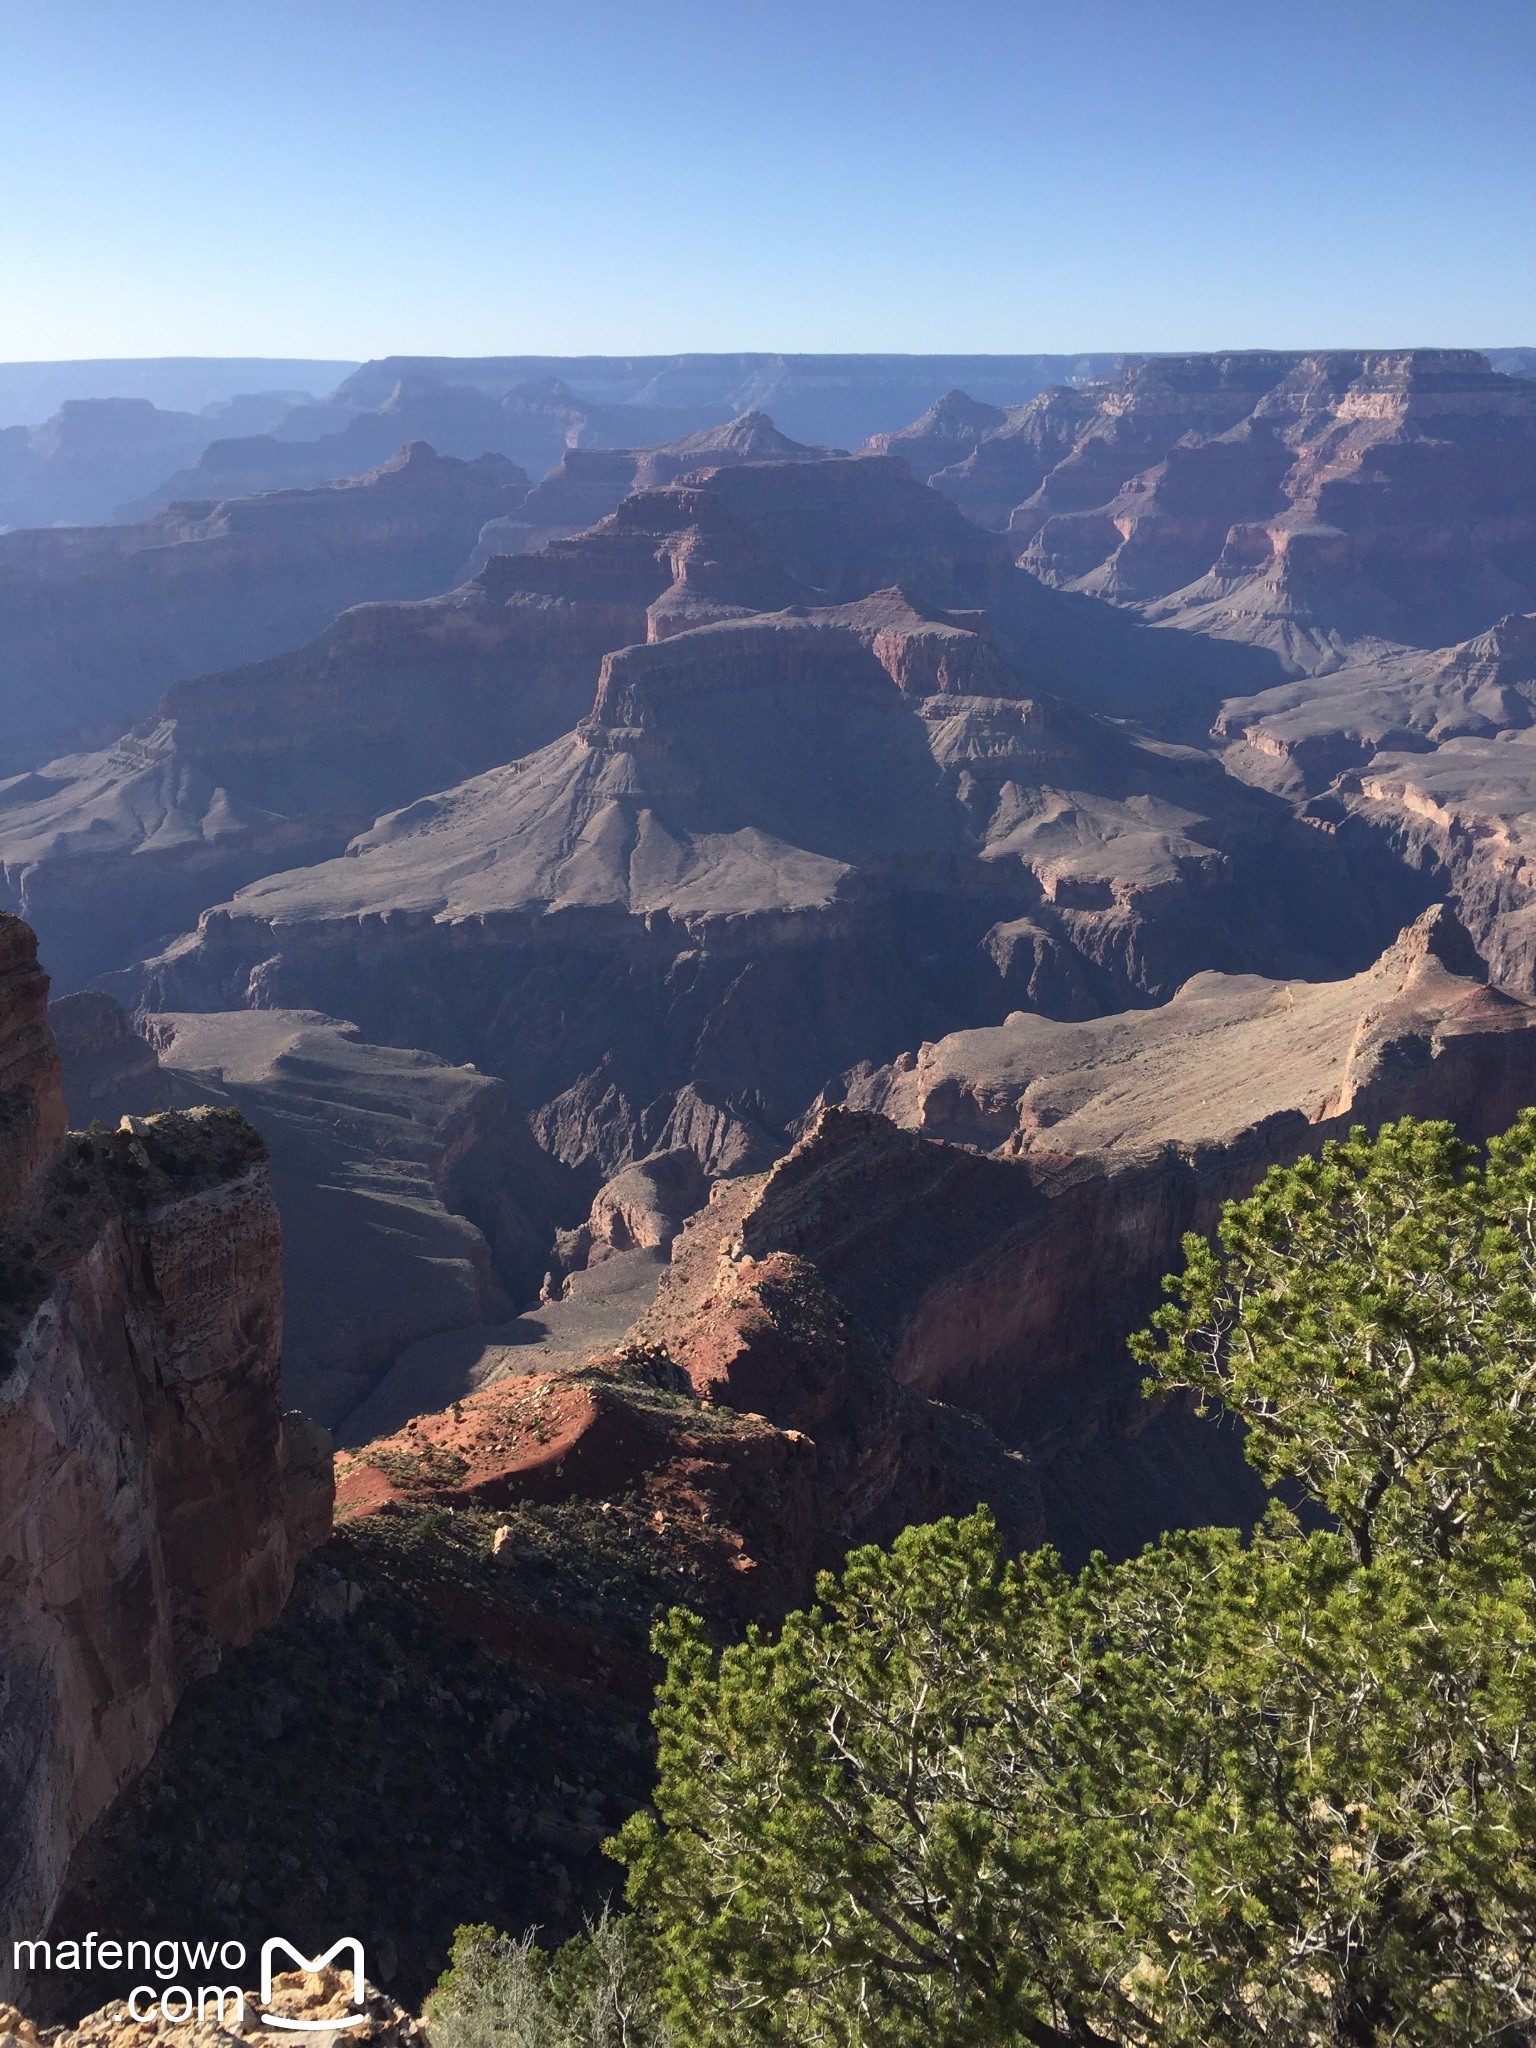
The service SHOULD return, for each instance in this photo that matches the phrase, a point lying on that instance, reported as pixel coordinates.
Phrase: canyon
(87, 443)
(735, 965)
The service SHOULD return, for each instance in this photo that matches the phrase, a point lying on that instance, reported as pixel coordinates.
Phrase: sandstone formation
(642, 1208)
(582, 489)
(152, 1502)
(1317, 505)
(590, 483)
(112, 852)
(96, 622)
(773, 1437)
(998, 1207)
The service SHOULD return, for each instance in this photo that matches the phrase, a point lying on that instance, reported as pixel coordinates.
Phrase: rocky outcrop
(835, 813)
(97, 622)
(761, 1332)
(281, 762)
(32, 1114)
(734, 1493)
(590, 483)
(641, 1208)
(152, 1503)
(948, 433)
(584, 487)
(112, 853)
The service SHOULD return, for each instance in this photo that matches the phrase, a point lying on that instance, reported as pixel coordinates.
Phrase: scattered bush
(597, 1991)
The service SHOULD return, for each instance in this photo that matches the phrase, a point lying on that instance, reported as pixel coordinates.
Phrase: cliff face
(411, 1202)
(949, 433)
(153, 1499)
(856, 814)
(32, 1116)
(111, 853)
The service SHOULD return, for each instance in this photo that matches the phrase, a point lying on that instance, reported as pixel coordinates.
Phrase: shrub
(596, 1991)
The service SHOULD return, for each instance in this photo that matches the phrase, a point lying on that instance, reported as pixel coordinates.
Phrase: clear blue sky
(362, 177)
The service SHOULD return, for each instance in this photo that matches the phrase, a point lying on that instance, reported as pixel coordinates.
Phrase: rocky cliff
(589, 483)
(853, 815)
(153, 1498)
(412, 1202)
(948, 434)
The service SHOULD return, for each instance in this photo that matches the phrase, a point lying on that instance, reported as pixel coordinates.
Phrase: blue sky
(335, 178)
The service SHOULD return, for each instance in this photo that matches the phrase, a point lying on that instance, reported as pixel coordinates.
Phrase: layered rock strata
(590, 483)
(411, 1201)
(997, 1210)
(1318, 505)
(1433, 755)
